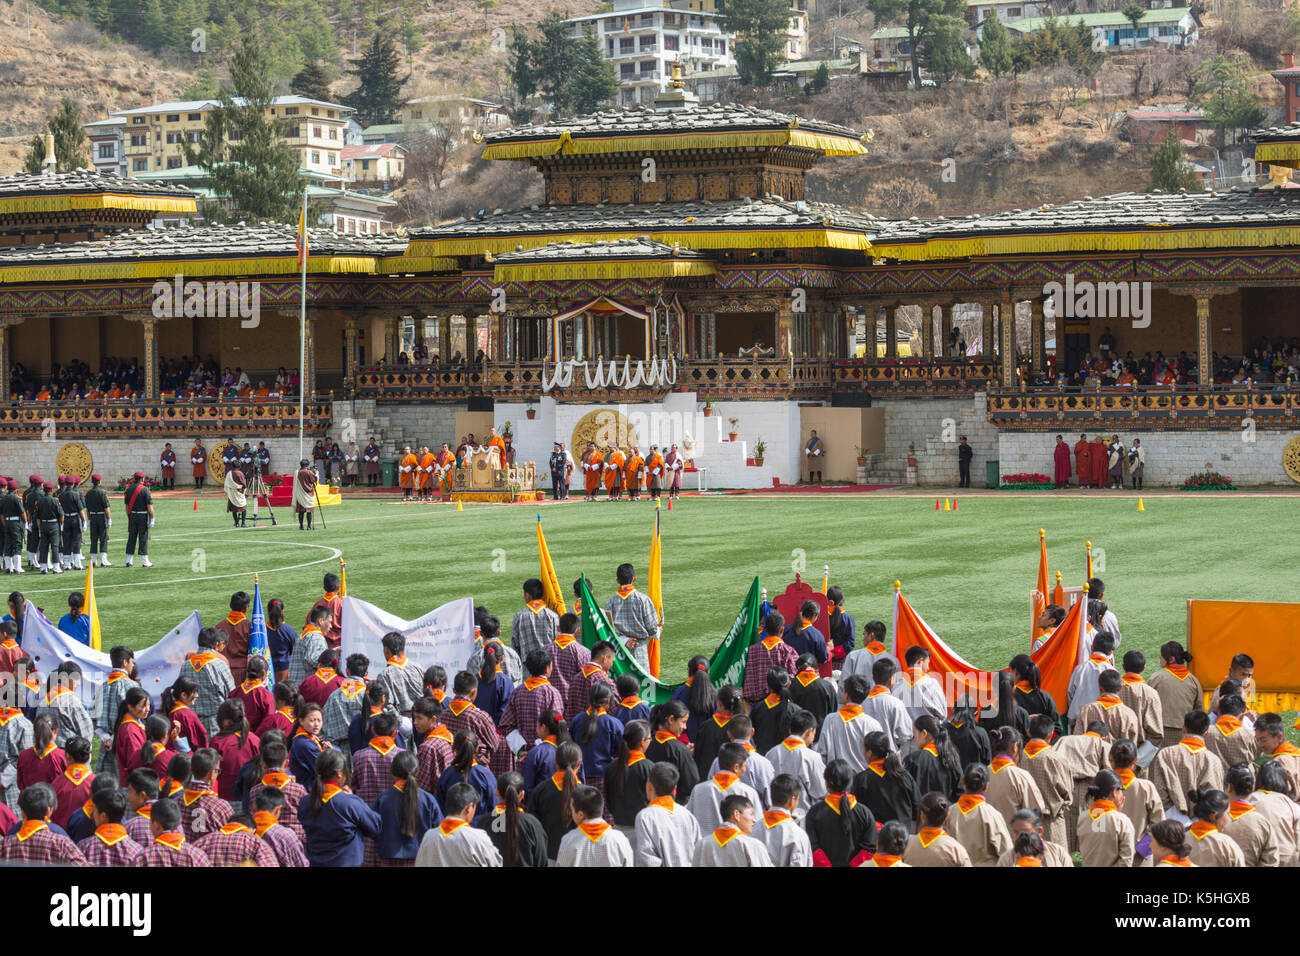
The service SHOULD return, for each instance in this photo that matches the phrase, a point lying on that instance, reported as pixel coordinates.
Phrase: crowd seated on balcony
(419, 355)
(1267, 365)
(120, 380)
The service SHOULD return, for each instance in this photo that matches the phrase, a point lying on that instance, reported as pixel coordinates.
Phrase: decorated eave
(737, 224)
(82, 190)
(209, 250)
(1125, 222)
(1278, 145)
(644, 130)
(640, 258)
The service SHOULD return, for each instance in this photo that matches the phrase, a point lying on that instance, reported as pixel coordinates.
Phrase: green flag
(727, 665)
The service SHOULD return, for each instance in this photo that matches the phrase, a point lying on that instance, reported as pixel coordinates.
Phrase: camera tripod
(257, 487)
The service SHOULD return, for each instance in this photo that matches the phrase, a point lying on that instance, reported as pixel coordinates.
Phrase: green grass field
(967, 573)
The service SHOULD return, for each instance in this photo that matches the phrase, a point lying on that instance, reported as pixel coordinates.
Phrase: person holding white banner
(402, 680)
(120, 679)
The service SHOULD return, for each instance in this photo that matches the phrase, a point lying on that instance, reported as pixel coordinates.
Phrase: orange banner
(1266, 630)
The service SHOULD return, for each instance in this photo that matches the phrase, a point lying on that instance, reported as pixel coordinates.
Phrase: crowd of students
(546, 758)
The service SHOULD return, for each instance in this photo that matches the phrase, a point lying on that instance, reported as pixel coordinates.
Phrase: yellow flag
(550, 583)
(92, 611)
(343, 579)
(655, 590)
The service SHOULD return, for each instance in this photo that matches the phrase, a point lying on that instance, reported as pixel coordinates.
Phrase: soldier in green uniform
(13, 515)
(49, 517)
(97, 510)
(139, 519)
(74, 523)
(32, 492)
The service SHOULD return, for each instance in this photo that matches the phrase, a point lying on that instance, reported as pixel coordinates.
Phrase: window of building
(293, 132)
(139, 139)
(193, 117)
(329, 113)
(720, 46)
(417, 114)
(291, 111)
(365, 164)
(315, 158)
(333, 158)
(315, 112)
(235, 133)
(315, 131)
(648, 43)
(140, 165)
(626, 45)
(334, 134)
(193, 136)
(138, 120)
(1013, 13)
(670, 42)
(173, 117)
(173, 162)
(105, 150)
(627, 70)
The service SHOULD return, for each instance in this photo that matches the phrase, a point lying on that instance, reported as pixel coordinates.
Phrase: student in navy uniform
(552, 799)
(518, 836)
(804, 637)
(627, 778)
(712, 733)
(630, 707)
(970, 740)
(305, 745)
(842, 831)
(494, 685)
(840, 626)
(407, 814)
(1029, 688)
(599, 735)
(668, 721)
(934, 764)
(698, 695)
(771, 715)
(465, 768)
(335, 821)
(813, 692)
(538, 766)
(885, 787)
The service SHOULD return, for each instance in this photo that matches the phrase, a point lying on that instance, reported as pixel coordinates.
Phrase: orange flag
(1040, 589)
(959, 677)
(1058, 592)
(1062, 652)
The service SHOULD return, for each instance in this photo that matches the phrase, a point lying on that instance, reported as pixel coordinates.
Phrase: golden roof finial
(677, 82)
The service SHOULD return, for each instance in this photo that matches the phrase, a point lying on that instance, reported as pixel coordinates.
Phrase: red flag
(959, 677)
(1062, 652)
(1040, 591)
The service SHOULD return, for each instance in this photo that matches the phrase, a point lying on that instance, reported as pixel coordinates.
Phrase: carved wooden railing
(1186, 407)
(125, 420)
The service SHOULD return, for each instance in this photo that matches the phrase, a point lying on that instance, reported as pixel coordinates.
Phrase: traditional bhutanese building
(676, 277)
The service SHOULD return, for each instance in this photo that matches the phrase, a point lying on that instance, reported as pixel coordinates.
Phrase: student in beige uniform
(1272, 742)
(1187, 765)
(1085, 755)
(932, 845)
(1170, 845)
(1178, 688)
(1246, 826)
(1011, 788)
(1144, 701)
(1028, 850)
(1272, 799)
(666, 832)
(1141, 799)
(1031, 821)
(891, 842)
(1051, 774)
(1227, 737)
(1210, 846)
(975, 823)
(1110, 709)
(1105, 834)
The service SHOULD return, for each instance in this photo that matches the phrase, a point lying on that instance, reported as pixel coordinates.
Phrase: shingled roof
(715, 125)
(640, 257)
(82, 189)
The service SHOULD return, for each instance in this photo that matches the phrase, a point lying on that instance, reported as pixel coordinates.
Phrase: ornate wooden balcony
(1185, 407)
(133, 419)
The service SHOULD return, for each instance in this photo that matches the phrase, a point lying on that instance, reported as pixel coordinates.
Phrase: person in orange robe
(634, 472)
(497, 442)
(592, 465)
(446, 461)
(654, 471)
(1083, 460)
(406, 472)
(614, 463)
(427, 462)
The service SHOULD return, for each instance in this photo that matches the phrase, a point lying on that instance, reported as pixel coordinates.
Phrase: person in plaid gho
(169, 847)
(37, 840)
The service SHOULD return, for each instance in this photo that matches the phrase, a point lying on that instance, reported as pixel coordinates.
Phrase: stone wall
(933, 426)
(115, 458)
(1170, 456)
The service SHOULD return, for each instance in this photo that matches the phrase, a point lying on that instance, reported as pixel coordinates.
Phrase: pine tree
(312, 82)
(592, 83)
(820, 79)
(760, 27)
(995, 47)
(378, 98)
(71, 147)
(254, 176)
(923, 20)
(1169, 172)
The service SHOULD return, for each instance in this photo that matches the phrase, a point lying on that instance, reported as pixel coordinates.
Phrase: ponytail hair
(303, 709)
(156, 729)
(947, 753)
(660, 714)
(329, 765)
(568, 758)
(555, 723)
(878, 746)
(465, 745)
(1173, 651)
(934, 809)
(1004, 740)
(130, 699)
(403, 768)
(274, 613)
(701, 696)
(231, 720)
(510, 786)
(492, 654)
(1207, 803)
(178, 769)
(182, 685)
(1104, 784)
(43, 732)
(286, 695)
(1172, 834)
(599, 695)
(635, 734)
(1023, 666)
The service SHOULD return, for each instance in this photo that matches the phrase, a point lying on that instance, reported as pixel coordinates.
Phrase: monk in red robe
(1061, 462)
(1083, 460)
(1100, 463)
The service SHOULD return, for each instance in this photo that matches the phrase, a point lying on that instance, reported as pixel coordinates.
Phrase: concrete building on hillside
(1111, 31)
(106, 145)
(462, 114)
(374, 163)
(1289, 77)
(153, 135)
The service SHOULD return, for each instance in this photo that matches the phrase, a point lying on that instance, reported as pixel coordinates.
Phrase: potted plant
(531, 411)
(708, 408)
(735, 426)
(760, 448)
(505, 430)
(862, 455)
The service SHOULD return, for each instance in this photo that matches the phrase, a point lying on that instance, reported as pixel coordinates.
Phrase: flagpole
(302, 324)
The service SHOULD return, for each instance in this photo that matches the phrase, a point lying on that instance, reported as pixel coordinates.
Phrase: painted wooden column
(945, 327)
(785, 344)
(870, 344)
(1007, 339)
(1038, 335)
(351, 354)
(891, 331)
(309, 371)
(152, 372)
(927, 331)
(1204, 371)
(390, 340)
(5, 362)
(986, 313)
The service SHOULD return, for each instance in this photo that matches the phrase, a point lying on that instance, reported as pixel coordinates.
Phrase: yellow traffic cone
(947, 505)
(459, 507)
(1140, 508)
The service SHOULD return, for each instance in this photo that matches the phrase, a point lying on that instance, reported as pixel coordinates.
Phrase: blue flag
(258, 644)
